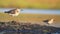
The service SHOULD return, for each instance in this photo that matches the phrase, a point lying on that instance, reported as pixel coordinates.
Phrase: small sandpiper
(14, 12)
(48, 21)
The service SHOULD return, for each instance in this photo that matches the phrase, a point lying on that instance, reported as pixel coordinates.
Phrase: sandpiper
(48, 21)
(14, 12)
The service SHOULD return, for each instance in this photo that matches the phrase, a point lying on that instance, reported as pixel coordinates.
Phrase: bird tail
(6, 12)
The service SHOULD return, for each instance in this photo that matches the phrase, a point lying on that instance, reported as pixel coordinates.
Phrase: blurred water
(34, 11)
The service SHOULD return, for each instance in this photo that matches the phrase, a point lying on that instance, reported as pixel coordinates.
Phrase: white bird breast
(14, 14)
(51, 21)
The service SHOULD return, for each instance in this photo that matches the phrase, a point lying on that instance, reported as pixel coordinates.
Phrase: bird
(48, 21)
(13, 12)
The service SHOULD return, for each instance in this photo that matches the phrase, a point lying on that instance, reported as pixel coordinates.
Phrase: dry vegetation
(29, 17)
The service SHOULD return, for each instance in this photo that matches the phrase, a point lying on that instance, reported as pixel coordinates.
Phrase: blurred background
(42, 4)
